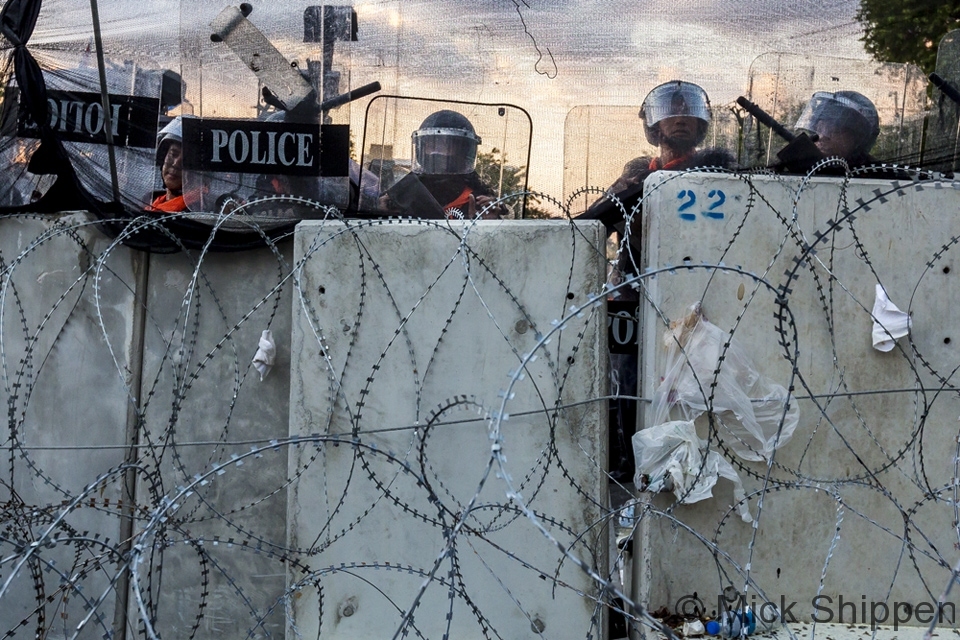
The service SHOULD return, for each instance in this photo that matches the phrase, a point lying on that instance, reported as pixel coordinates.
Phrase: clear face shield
(837, 121)
(440, 151)
(675, 99)
(829, 110)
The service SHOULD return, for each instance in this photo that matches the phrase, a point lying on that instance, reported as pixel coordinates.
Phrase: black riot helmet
(842, 111)
(445, 144)
(672, 99)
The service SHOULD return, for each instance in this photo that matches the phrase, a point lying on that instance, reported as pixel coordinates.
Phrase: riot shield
(76, 116)
(272, 71)
(782, 84)
(255, 62)
(942, 150)
(269, 172)
(492, 160)
(603, 143)
(288, 159)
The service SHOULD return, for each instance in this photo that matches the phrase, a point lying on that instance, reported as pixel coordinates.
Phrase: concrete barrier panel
(67, 301)
(216, 489)
(789, 267)
(443, 472)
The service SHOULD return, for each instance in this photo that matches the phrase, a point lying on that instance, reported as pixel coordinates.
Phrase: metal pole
(104, 96)
(776, 103)
(141, 263)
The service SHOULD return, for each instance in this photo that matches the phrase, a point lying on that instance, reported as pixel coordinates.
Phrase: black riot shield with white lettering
(264, 171)
(289, 159)
(81, 133)
(76, 116)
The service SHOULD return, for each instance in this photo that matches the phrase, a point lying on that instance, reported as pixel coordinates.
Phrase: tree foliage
(907, 30)
(493, 170)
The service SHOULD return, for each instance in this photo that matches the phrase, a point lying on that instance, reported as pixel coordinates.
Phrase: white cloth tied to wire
(266, 354)
(889, 323)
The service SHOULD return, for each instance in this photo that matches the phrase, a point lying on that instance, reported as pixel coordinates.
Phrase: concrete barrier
(147, 463)
(444, 395)
(858, 504)
(428, 453)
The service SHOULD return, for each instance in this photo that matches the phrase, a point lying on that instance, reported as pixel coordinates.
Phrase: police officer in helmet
(170, 160)
(445, 144)
(444, 162)
(846, 123)
(676, 116)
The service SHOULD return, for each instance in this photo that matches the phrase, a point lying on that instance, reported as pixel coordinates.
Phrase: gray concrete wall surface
(449, 481)
(66, 308)
(431, 440)
(208, 419)
(137, 457)
(147, 468)
(860, 503)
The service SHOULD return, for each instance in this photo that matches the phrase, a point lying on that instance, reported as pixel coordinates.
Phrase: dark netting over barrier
(91, 111)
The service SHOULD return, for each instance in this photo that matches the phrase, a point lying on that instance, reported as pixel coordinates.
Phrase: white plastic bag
(749, 406)
(672, 455)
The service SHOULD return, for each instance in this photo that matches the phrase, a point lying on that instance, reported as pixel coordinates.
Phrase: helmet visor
(675, 99)
(444, 151)
(828, 110)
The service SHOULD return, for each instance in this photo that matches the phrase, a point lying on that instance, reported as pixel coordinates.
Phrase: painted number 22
(688, 199)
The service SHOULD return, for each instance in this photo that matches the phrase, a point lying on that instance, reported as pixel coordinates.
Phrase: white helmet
(672, 99)
(172, 132)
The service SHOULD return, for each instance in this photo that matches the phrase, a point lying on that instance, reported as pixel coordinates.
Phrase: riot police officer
(444, 160)
(845, 122)
(676, 116)
(170, 160)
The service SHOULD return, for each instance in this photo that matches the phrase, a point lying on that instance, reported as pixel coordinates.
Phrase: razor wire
(187, 516)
